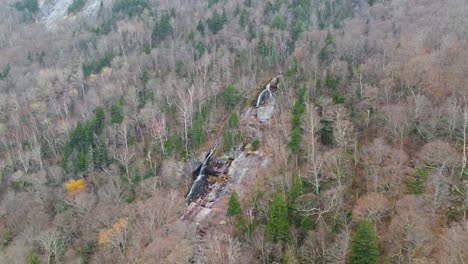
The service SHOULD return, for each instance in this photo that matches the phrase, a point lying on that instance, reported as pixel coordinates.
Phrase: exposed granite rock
(265, 112)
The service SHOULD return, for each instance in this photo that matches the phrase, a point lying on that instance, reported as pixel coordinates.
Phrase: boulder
(265, 112)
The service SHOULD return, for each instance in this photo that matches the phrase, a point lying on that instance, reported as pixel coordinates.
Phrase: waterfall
(261, 95)
(199, 182)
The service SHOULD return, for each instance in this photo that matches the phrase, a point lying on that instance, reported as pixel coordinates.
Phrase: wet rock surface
(265, 112)
(238, 172)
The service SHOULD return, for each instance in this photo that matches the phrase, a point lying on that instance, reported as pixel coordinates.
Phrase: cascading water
(200, 179)
(263, 94)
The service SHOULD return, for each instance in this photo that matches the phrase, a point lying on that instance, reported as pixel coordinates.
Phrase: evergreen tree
(298, 110)
(295, 141)
(243, 18)
(364, 248)
(33, 258)
(228, 141)
(252, 32)
(318, 86)
(197, 134)
(296, 191)
(98, 119)
(101, 158)
(234, 206)
(40, 58)
(230, 97)
(233, 120)
(278, 224)
(116, 114)
(216, 21)
(4, 73)
(130, 8)
(329, 40)
(278, 23)
(201, 28)
(326, 133)
(297, 29)
(200, 50)
(162, 29)
(31, 6)
(82, 161)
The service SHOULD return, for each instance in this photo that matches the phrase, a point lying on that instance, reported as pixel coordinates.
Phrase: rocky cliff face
(52, 12)
(237, 173)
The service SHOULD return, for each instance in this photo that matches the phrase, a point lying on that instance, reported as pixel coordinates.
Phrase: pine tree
(296, 191)
(364, 248)
(216, 21)
(201, 28)
(278, 22)
(234, 206)
(116, 114)
(98, 120)
(196, 132)
(233, 120)
(101, 158)
(228, 141)
(82, 161)
(230, 97)
(278, 224)
(296, 135)
(162, 29)
(243, 18)
(329, 39)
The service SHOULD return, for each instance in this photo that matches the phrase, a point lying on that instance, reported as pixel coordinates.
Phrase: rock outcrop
(207, 207)
(52, 12)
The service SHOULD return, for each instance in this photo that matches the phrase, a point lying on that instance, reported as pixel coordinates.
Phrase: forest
(233, 131)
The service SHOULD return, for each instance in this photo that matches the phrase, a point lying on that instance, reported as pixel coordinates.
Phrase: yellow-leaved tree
(116, 236)
(75, 186)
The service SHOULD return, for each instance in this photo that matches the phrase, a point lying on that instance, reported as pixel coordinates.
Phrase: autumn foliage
(75, 186)
(117, 230)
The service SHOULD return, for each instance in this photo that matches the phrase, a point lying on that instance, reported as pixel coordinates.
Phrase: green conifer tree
(201, 28)
(116, 114)
(243, 18)
(296, 135)
(228, 141)
(233, 120)
(234, 206)
(162, 29)
(230, 97)
(98, 120)
(197, 133)
(364, 248)
(278, 224)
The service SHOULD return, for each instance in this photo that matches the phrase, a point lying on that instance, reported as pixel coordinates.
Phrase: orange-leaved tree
(75, 186)
(115, 236)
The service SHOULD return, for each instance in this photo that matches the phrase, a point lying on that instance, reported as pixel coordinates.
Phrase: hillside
(218, 131)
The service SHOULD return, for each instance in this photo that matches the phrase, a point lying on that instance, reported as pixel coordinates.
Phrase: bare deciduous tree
(54, 244)
(125, 155)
